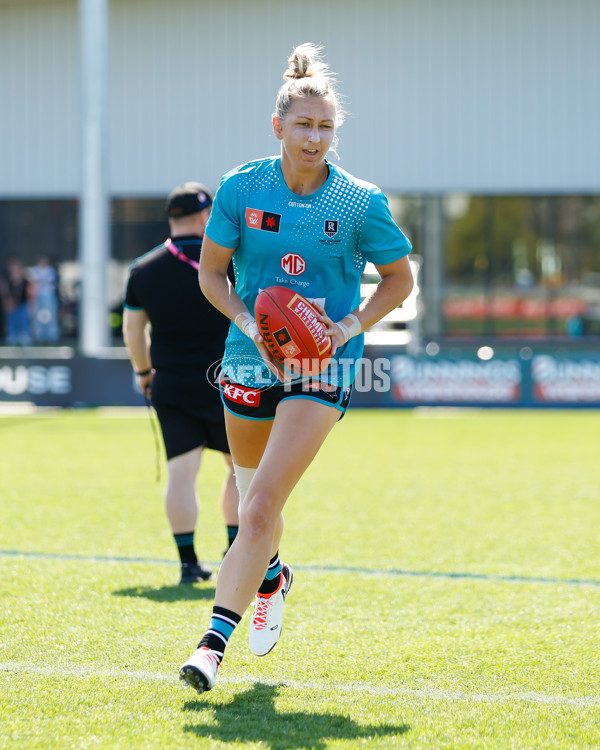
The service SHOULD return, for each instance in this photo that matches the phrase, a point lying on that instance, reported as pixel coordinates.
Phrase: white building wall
(39, 99)
(444, 95)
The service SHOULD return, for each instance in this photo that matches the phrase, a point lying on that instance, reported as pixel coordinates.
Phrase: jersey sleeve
(224, 223)
(130, 299)
(382, 240)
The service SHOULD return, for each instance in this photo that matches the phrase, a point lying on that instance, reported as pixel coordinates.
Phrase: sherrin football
(292, 331)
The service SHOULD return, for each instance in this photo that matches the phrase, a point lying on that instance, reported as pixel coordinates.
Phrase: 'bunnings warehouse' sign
(445, 381)
(565, 381)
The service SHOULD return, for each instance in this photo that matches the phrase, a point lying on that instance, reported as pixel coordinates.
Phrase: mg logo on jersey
(293, 264)
(331, 227)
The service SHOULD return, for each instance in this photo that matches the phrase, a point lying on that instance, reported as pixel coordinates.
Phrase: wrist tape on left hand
(352, 330)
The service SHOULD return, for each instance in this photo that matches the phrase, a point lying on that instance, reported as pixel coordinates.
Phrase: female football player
(292, 220)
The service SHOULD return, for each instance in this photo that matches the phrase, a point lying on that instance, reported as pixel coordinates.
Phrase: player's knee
(259, 513)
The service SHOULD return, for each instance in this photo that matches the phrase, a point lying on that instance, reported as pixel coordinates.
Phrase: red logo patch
(293, 264)
(241, 395)
(265, 220)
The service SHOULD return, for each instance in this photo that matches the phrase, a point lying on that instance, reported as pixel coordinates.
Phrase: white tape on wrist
(247, 325)
(352, 330)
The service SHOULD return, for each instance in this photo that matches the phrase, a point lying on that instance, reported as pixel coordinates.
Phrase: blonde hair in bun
(307, 75)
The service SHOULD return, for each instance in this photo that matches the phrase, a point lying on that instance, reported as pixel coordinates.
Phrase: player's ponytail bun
(305, 62)
(307, 75)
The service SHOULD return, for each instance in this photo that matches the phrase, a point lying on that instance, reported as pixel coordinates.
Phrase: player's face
(306, 132)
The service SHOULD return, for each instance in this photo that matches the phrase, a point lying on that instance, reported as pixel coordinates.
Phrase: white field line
(29, 409)
(343, 570)
(352, 688)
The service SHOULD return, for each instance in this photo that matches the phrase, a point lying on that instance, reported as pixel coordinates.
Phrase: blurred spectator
(15, 289)
(45, 301)
(574, 325)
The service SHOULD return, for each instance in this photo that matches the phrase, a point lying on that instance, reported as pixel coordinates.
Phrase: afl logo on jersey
(265, 220)
(293, 264)
(331, 227)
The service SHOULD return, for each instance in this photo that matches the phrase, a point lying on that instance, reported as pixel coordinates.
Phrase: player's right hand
(248, 325)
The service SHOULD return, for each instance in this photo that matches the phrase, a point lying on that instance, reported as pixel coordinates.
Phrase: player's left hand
(332, 329)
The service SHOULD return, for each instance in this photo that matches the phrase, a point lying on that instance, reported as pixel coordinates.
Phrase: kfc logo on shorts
(293, 264)
(241, 395)
(331, 227)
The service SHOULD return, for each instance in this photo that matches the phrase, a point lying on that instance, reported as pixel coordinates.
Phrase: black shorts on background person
(174, 336)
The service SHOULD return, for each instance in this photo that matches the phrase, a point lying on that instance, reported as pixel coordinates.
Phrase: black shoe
(194, 572)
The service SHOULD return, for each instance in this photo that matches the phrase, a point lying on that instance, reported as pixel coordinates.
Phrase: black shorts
(261, 403)
(182, 431)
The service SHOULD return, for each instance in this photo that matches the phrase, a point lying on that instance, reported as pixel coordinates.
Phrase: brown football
(292, 331)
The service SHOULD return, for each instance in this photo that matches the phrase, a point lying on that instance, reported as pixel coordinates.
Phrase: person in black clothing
(174, 335)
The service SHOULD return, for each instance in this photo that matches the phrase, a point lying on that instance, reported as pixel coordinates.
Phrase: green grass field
(446, 595)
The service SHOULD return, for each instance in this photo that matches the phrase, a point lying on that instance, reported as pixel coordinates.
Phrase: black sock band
(222, 625)
(231, 534)
(272, 578)
(185, 547)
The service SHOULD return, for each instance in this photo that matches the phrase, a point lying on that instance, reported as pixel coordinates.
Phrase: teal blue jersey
(316, 244)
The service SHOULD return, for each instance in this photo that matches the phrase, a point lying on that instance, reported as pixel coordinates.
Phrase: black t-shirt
(17, 291)
(188, 334)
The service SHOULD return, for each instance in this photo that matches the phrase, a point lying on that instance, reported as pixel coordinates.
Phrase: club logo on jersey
(286, 343)
(293, 264)
(264, 220)
(331, 227)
